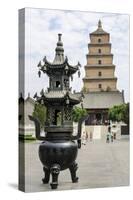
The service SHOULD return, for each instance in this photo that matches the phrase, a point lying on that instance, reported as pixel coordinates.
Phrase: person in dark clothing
(79, 143)
(107, 139)
(112, 137)
(108, 134)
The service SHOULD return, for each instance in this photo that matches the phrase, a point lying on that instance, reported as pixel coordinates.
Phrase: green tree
(77, 113)
(40, 113)
(120, 113)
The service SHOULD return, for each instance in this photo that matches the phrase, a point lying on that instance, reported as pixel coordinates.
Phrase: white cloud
(42, 27)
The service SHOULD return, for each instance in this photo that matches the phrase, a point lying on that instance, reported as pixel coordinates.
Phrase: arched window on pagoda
(100, 86)
(99, 73)
(99, 62)
(99, 40)
(99, 50)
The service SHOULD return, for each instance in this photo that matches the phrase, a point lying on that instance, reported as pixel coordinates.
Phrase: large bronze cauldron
(58, 152)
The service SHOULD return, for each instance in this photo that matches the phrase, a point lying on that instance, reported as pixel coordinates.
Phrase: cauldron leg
(73, 168)
(55, 170)
(47, 175)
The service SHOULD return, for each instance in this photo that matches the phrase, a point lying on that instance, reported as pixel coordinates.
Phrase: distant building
(100, 84)
(26, 126)
(98, 104)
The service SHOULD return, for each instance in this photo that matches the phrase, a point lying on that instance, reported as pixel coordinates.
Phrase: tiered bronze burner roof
(58, 98)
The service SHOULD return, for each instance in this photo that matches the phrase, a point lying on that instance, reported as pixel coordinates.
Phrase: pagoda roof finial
(59, 37)
(99, 30)
(99, 24)
(59, 51)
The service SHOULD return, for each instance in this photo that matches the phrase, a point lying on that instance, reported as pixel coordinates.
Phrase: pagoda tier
(100, 66)
(59, 109)
(58, 99)
(102, 43)
(99, 54)
(65, 97)
(50, 68)
(60, 65)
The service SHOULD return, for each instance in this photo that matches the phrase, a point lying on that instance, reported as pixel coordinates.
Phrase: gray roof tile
(99, 100)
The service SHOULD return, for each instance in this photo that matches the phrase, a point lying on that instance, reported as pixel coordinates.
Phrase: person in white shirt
(84, 138)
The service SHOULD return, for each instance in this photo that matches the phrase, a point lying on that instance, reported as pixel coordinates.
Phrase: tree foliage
(40, 113)
(77, 113)
(120, 113)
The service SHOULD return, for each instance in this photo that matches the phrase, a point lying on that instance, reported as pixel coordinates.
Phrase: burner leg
(55, 170)
(73, 168)
(47, 175)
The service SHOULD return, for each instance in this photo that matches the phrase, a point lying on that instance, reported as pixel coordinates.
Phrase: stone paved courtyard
(100, 165)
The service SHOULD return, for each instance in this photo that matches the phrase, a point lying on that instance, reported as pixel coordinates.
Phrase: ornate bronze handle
(78, 136)
(37, 127)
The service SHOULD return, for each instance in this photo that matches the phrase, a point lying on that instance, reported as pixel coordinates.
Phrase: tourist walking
(84, 138)
(108, 134)
(79, 143)
(108, 137)
(91, 136)
(114, 131)
(112, 137)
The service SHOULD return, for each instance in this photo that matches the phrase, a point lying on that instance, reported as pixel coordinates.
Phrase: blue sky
(42, 27)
